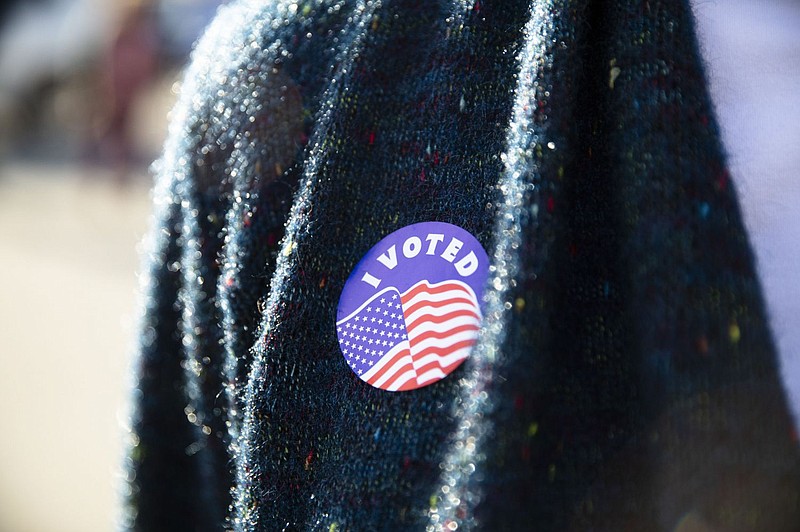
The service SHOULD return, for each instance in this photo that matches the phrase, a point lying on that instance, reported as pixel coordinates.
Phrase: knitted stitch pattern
(624, 378)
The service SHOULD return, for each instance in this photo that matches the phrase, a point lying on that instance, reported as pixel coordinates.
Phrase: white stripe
(441, 311)
(435, 373)
(443, 343)
(406, 360)
(401, 380)
(385, 360)
(450, 324)
(424, 282)
(444, 361)
(442, 296)
(437, 285)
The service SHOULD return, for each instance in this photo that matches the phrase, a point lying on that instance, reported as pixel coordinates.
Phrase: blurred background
(85, 91)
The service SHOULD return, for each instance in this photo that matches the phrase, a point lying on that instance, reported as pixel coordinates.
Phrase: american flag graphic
(404, 341)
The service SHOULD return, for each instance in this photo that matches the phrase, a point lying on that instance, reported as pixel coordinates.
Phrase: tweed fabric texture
(625, 377)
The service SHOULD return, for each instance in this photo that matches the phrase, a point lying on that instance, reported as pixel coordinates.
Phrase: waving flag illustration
(409, 311)
(402, 341)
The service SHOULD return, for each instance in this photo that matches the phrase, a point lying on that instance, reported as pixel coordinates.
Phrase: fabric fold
(624, 375)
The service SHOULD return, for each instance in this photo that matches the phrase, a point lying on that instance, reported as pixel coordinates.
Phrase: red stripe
(431, 290)
(435, 304)
(400, 354)
(441, 319)
(443, 351)
(445, 369)
(441, 335)
(410, 384)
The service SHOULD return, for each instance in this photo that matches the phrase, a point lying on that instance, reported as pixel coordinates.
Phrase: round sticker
(409, 313)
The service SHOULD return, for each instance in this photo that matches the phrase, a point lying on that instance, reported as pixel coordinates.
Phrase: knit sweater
(624, 377)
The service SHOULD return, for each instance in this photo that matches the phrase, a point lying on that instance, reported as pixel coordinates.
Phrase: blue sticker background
(410, 311)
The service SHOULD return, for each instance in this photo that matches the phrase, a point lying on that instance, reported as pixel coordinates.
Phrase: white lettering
(467, 266)
(434, 239)
(411, 247)
(371, 280)
(452, 249)
(389, 259)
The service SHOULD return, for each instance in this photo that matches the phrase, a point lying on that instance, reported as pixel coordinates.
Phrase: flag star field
(409, 314)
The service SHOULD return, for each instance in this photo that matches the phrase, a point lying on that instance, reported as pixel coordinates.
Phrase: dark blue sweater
(624, 377)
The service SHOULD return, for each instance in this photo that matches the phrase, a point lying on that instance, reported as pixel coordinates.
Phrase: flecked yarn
(625, 376)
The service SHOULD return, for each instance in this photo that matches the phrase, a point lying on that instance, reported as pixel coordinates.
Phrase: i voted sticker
(409, 313)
